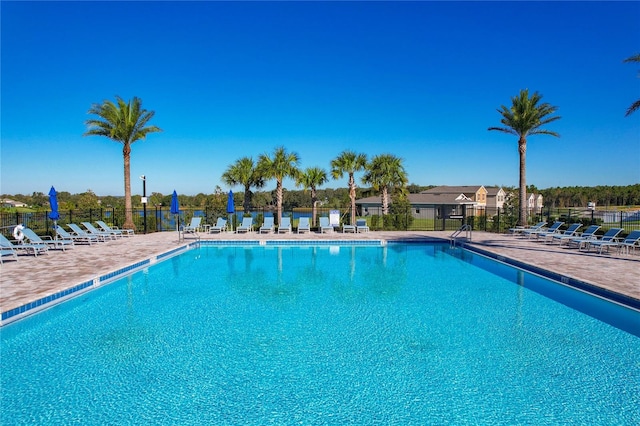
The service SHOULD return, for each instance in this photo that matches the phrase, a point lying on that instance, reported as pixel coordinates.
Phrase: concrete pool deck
(32, 278)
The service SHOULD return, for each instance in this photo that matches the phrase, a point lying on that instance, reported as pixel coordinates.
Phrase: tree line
(556, 197)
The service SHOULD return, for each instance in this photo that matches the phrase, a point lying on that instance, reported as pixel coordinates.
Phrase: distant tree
(281, 165)
(634, 106)
(87, 200)
(156, 199)
(525, 117)
(385, 173)
(311, 178)
(39, 199)
(109, 201)
(216, 203)
(244, 172)
(199, 199)
(349, 162)
(124, 122)
(262, 199)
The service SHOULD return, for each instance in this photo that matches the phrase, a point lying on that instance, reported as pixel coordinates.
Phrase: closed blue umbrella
(230, 208)
(175, 208)
(53, 203)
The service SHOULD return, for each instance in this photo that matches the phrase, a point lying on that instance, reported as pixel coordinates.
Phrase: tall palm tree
(311, 178)
(244, 172)
(282, 165)
(525, 117)
(349, 162)
(385, 172)
(634, 106)
(124, 122)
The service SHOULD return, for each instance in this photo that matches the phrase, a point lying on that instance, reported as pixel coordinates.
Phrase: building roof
(424, 199)
(493, 190)
(452, 189)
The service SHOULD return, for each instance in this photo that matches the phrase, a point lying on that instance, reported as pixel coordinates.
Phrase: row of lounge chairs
(268, 226)
(34, 244)
(584, 241)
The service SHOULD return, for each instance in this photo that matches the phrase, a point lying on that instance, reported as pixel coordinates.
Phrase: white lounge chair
(325, 226)
(588, 233)
(7, 249)
(220, 226)
(115, 230)
(95, 231)
(267, 225)
(285, 225)
(60, 243)
(348, 228)
(63, 234)
(609, 239)
(542, 232)
(193, 227)
(246, 226)
(630, 241)
(570, 232)
(79, 232)
(521, 229)
(34, 249)
(304, 225)
(610, 235)
(361, 225)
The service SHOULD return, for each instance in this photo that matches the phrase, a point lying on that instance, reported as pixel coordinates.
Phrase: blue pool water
(402, 334)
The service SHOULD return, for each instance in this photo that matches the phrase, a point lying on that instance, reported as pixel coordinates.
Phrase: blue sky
(420, 80)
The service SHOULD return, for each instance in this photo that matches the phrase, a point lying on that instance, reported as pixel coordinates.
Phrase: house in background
(423, 205)
(443, 202)
(8, 203)
(477, 193)
(496, 196)
(534, 203)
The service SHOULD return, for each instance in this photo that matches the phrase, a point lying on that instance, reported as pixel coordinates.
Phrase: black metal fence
(424, 218)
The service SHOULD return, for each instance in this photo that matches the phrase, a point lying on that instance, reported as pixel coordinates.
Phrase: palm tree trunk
(246, 204)
(385, 201)
(279, 199)
(522, 148)
(128, 214)
(314, 199)
(352, 196)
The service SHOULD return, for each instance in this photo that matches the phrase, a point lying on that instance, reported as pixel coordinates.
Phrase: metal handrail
(464, 228)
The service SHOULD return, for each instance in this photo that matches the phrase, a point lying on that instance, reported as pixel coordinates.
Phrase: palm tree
(349, 162)
(243, 172)
(282, 165)
(124, 122)
(634, 106)
(385, 172)
(526, 117)
(311, 178)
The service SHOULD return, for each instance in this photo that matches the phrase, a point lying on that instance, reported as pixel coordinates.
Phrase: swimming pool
(403, 333)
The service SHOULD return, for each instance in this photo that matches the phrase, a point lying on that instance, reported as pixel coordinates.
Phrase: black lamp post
(144, 201)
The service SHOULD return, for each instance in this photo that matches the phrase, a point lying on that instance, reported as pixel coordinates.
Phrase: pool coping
(46, 302)
(562, 279)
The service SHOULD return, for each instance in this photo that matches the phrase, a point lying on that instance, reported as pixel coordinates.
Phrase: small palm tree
(634, 106)
(311, 178)
(243, 172)
(124, 122)
(283, 164)
(525, 117)
(349, 162)
(385, 172)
